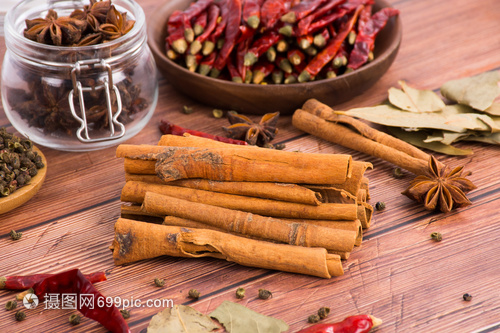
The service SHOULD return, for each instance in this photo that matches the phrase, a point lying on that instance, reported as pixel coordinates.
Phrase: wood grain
(398, 274)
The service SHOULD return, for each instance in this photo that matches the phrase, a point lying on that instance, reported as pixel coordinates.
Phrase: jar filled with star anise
(78, 74)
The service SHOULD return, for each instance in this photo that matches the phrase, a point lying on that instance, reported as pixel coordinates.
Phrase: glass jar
(77, 98)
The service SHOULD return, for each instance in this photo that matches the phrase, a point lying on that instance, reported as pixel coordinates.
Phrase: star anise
(243, 128)
(94, 14)
(441, 187)
(54, 30)
(116, 24)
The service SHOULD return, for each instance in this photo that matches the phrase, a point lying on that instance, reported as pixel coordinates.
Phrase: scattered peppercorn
(193, 293)
(20, 315)
(265, 294)
(187, 109)
(380, 205)
(11, 305)
(240, 293)
(15, 235)
(125, 313)
(75, 319)
(437, 236)
(217, 113)
(397, 173)
(313, 319)
(279, 146)
(467, 297)
(323, 312)
(159, 282)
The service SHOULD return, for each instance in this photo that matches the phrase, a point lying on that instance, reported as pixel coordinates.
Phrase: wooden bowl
(261, 99)
(26, 192)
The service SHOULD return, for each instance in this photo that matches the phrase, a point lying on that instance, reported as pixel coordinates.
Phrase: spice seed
(240, 293)
(125, 314)
(313, 319)
(437, 236)
(20, 315)
(380, 205)
(159, 282)
(74, 319)
(467, 297)
(265, 294)
(193, 293)
(323, 312)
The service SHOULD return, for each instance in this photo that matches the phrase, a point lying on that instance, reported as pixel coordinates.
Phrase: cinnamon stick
(235, 164)
(347, 137)
(266, 190)
(135, 191)
(139, 240)
(251, 224)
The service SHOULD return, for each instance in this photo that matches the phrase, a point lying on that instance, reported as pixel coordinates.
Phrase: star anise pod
(441, 187)
(243, 128)
(93, 14)
(116, 24)
(54, 30)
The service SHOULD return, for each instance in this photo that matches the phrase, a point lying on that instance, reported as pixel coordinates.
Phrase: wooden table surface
(398, 274)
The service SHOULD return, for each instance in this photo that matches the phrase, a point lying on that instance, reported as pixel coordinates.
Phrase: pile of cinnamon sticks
(289, 211)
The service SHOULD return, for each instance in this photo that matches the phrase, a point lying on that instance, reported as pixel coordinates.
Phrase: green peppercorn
(437, 236)
(15, 235)
(217, 113)
(125, 313)
(467, 297)
(265, 294)
(240, 293)
(313, 319)
(323, 312)
(397, 173)
(11, 305)
(20, 315)
(380, 205)
(75, 319)
(194, 294)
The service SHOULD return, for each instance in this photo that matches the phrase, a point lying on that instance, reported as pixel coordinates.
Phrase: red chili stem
(200, 22)
(295, 56)
(18, 282)
(261, 70)
(233, 71)
(303, 24)
(329, 52)
(74, 282)
(261, 45)
(240, 58)
(352, 324)
(166, 127)
(365, 40)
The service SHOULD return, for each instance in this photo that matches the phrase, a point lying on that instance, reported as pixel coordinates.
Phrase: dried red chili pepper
(200, 23)
(245, 33)
(352, 324)
(97, 307)
(207, 63)
(213, 14)
(18, 282)
(327, 19)
(196, 8)
(329, 52)
(231, 33)
(251, 12)
(240, 58)
(260, 46)
(271, 11)
(233, 71)
(365, 40)
(305, 41)
(166, 127)
(175, 36)
(261, 70)
(301, 10)
(303, 24)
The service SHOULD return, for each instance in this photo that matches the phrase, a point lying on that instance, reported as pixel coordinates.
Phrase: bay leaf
(478, 91)
(465, 117)
(237, 318)
(181, 319)
(391, 116)
(415, 100)
(493, 138)
(417, 138)
(493, 110)
(446, 137)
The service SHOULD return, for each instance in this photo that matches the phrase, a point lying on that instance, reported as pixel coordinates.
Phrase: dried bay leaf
(446, 137)
(415, 100)
(181, 319)
(478, 91)
(237, 318)
(417, 138)
(493, 138)
(493, 110)
(391, 116)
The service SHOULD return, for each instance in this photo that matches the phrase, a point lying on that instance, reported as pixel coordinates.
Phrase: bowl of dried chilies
(259, 57)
